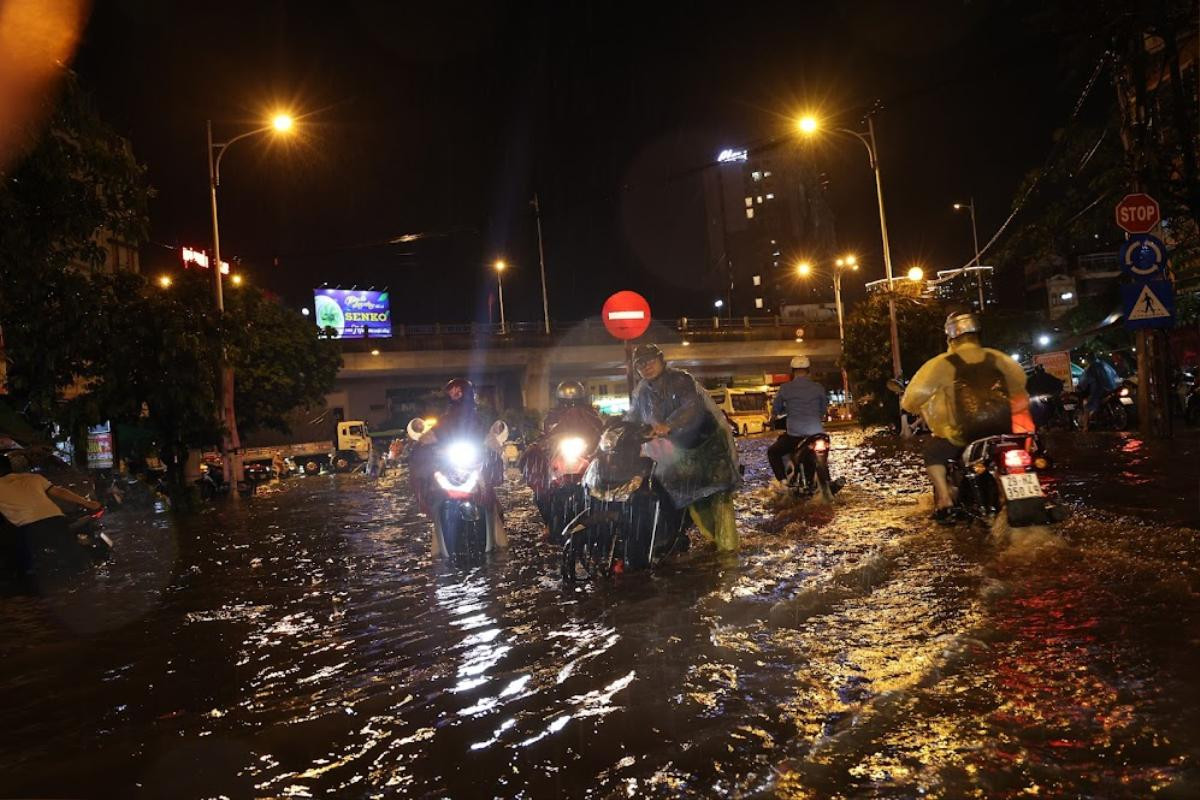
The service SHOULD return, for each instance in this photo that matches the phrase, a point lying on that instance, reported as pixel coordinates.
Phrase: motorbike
(87, 544)
(1115, 412)
(467, 521)
(1055, 411)
(628, 521)
(807, 466)
(554, 469)
(1001, 475)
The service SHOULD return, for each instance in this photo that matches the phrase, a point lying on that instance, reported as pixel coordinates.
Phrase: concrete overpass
(520, 366)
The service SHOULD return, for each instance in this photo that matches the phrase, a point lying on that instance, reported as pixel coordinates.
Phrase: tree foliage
(867, 354)
(80, 179)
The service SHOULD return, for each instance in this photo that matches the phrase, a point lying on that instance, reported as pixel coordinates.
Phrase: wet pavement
(301, 644)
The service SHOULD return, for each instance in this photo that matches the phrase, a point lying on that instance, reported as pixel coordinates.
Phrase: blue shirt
(804, 401)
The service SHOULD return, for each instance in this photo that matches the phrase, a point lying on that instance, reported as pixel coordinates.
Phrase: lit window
(766, 174)
(758, 302)
(760, 199)
(749, 213)
(776, 263)
(776, 253)
(758, 280)
(749, 202)
(756, 175)
(772, 241)
(770, 195)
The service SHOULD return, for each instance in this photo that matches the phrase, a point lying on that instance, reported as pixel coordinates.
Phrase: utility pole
(537, 211)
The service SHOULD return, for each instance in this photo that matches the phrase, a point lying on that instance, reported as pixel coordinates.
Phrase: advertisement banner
(100, 447)
(353, 314)
(1057, 364)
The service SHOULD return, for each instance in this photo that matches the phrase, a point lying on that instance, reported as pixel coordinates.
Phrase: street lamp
(165, 281)
(304, 311)
(915, 274)
(236, 280)
(718, 305)
(847, 262)
(226, 418)
(500, 267)
(809, 126)
(970, 206)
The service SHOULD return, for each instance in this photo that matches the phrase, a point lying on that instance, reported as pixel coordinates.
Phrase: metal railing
(442, 335)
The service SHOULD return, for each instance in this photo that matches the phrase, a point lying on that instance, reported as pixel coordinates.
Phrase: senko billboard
(352, 313)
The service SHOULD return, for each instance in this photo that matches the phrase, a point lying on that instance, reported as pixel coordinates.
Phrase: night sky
(443, 119)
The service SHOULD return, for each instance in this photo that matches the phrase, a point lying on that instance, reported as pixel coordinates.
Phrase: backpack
(981, 403)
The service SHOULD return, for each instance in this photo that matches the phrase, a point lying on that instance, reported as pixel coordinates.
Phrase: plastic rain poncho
(931, 393)
(697, 463)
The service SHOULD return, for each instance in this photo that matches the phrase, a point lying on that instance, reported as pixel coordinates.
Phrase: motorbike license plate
(1126, 401)
(1021, 486)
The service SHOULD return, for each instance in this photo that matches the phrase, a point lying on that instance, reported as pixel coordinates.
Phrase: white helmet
(801, 362)
(961, 324)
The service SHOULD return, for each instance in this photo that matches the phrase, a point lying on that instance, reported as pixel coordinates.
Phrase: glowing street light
(719, 304)
(841, 264)
(1043, 340)
(500, 266)
(804, 269)
(915, 274)
(226, 418)
(970, 206)
(304, 311)
(808, 125)
(165, 281)
(236, 280)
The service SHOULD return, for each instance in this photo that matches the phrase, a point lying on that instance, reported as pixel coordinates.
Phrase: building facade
(765, 211)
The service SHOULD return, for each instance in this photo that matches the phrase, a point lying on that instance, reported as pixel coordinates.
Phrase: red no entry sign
(1137, 213)
(626, 315)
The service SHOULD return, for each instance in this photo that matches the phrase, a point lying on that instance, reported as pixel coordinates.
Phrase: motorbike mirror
(499, 431)
(895, 386)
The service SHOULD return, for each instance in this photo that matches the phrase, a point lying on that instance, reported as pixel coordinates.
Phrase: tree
(867, 355)
(79, 179)
(279, 359)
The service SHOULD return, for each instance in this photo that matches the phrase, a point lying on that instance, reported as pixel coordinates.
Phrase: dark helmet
(468, 389)
(646, 352)
(570, 393)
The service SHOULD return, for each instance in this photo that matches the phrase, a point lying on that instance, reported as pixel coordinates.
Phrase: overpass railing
(471, 335)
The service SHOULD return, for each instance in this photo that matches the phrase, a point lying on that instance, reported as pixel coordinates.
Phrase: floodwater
(301, 644)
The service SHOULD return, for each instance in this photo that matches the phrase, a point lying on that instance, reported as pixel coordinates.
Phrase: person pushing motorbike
(967, 393)
(804, 402)
(572, 416)
(700, 469)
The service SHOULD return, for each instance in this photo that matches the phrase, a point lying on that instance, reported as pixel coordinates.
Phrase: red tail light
(820, 445)
(1014, 459)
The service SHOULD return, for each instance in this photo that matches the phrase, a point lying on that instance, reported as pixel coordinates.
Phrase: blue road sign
(1149, 305)
(1143, 256)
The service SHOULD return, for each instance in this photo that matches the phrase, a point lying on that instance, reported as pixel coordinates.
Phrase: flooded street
(302, 644)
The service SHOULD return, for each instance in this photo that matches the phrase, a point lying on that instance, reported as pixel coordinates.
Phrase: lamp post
(808, 125)
(500, 267)
(537, 210)
(226, 417)
(970, 206)
(840, 265)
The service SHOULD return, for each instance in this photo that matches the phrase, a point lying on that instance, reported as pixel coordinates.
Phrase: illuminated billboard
(353, 314)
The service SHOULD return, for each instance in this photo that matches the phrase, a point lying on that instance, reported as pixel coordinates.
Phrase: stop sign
(1137, 213)
(626, 315)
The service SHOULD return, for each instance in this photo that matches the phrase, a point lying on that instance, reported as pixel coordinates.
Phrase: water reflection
(302, 644)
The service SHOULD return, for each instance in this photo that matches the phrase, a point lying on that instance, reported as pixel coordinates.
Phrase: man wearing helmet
(699, 467)
(804, 402)
(574, 415)
(964, 394)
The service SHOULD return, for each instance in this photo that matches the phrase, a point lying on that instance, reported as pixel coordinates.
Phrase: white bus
(746, 407)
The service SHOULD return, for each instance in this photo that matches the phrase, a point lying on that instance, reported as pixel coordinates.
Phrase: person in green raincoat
(700, 470)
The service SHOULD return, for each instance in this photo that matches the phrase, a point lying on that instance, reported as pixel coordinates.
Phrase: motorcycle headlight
(462, 455)
(572, 448)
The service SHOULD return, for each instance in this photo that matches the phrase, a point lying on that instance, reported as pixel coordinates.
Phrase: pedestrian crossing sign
(1149, 305)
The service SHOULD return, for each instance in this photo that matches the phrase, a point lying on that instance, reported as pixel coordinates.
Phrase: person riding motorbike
(967, 393)
(459, 420)
(574, 414)
(27, 502)
(1045, 392)
(697, 462)
(1099, 378)
(804, 402)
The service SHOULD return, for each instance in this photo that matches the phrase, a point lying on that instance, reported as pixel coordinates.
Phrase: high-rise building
(765, 211)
